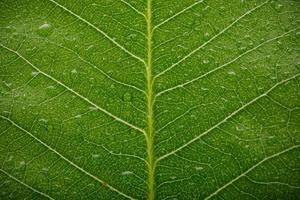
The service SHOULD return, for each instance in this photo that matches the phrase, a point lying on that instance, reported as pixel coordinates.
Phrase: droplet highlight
(45, 30)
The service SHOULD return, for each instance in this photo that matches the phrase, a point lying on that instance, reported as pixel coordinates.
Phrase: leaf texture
(149, 99)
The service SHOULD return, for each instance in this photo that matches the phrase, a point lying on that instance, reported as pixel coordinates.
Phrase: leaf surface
(149, 99)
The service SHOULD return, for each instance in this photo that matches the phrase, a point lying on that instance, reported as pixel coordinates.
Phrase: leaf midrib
(150, 102)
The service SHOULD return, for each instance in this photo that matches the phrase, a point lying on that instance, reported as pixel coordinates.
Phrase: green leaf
(150, 99)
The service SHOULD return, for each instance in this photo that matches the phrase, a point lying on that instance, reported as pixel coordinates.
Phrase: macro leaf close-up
(150, 99)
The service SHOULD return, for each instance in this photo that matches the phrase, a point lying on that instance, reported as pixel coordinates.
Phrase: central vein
(150, 118)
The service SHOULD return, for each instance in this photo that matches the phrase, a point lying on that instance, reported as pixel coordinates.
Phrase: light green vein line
(211, 39)
(227, 118)
(226, 64)
(250, 169)
(150, 117)
(133, 8)
(95, 67)
(66, 159)
(74, 92)
(28, 186)
(97, 29)
(271, 183)
(177, 14)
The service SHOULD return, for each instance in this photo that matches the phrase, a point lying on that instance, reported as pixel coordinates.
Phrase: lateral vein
(251, 169)
(227, 118)
(175, 15)
(97, 68)
(210, 40)
(74, 92)
(224, 65)
(98, 29)
(133, 8)
(26, 185)
(66, 159)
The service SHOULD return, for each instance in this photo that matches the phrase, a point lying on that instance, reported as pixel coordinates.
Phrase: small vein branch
(226, 118)
(73, 91)
(251, 169)
(116, 154)
(133, 8)
(97, 68)
(177, 14)
(99, 30)
(210, 40)
(26, 185)
(66, 159)
(224, 65)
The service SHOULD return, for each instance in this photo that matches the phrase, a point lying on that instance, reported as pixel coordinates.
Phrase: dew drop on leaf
(45, 30)
(34, 73)
(89, 47)
(231, 73)
(127, 173)
(205, 61)
(22, 163)
(43, 120)
(45, 169)
(78, 116)
(95, 156)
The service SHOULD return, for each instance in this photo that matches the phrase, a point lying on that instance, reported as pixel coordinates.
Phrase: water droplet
(206, 36)
(34, 73)
(45, 169)
(193, 116)
(231, 73)
(205, 61)
(93, 108)
(198, 168)
(242, 49)
(70, 38)
(43, 120)
(127, 97)
(127, 173)
(50, 87)
(45, 30)
(95, 155)
(89, 47)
